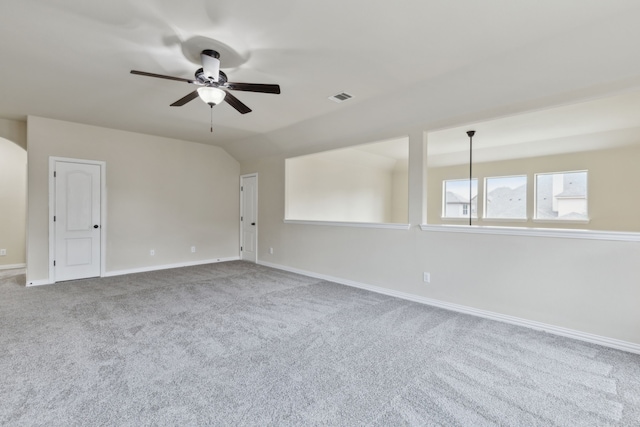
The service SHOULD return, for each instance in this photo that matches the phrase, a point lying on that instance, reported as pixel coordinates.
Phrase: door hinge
(240, 248)
(54, 218)
(241, 219)
(54, 174)
(54, 263)
(241, 188)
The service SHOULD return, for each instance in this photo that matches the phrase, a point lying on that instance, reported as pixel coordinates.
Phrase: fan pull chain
(211, 130)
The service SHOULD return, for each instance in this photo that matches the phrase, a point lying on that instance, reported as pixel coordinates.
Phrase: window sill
(349, 224)
(458, 219)
(562, 221)
(536, 232)
(504, 219)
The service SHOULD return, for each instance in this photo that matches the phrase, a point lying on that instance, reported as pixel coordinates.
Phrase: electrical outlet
(3, 252)
(152, 252)
(426, 277)
(193, 249)
(271, 251)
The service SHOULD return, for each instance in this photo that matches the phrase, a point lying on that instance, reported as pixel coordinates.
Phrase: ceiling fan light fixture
(214, 86)
(211, 95)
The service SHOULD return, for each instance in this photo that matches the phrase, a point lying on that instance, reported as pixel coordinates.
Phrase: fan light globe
(211, 95)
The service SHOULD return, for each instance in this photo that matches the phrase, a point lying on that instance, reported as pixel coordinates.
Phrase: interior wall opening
(13, 199)
(365, 183)
(566, 167)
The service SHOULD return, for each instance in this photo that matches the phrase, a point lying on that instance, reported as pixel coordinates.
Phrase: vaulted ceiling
(408, 63)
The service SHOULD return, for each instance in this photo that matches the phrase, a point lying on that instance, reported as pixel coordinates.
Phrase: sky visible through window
(511, 182)
(506, 197)
(456, 203)
(461, 187)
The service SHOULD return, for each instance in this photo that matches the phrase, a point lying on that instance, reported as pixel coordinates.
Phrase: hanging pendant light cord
(211, 130)
(470, 133)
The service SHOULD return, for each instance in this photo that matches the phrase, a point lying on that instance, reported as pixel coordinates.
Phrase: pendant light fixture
(470, 133)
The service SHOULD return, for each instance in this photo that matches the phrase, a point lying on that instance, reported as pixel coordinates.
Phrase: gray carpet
(235, 344)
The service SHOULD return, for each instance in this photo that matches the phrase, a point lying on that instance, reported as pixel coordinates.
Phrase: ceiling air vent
(340, 97)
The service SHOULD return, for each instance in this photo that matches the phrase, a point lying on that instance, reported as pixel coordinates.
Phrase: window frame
(560, 220)
(443, 214)
(485, 216)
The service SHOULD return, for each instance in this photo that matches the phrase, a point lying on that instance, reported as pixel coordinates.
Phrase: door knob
(96, 226)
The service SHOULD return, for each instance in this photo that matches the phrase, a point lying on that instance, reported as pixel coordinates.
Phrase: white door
(249, 217)
(77, 220)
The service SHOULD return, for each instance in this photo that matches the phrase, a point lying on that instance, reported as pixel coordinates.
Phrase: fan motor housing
(210, 64)
(203, 79)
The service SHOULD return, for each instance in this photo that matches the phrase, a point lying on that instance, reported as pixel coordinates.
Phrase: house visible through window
(506, 197)
(561, 196)
(456, 200)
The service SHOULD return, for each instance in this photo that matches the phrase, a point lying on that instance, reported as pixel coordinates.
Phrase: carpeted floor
(235, 344)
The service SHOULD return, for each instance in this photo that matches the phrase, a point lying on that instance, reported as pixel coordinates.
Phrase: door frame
(52, 210)
(242, 177)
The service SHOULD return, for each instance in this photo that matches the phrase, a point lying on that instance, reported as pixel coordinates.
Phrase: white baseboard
(12, 266)
(39, 282)
(168, 266)
(146, 269)
(532, 324)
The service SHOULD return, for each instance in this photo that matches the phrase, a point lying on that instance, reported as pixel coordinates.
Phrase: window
(456, 200)
(506, 197)
(562, 196)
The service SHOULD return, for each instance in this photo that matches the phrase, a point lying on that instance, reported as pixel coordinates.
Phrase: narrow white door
(249, 217)
(77, 220)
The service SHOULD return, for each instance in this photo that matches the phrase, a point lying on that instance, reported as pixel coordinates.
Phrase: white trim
(242, 177)
(459, 218)
(39, 282)
(168, 266)
(103, 212)
(562, 221)
(146, 269)
(505, 219)
(532, 324)
(12, 266)
(536, 232)
(350, 224)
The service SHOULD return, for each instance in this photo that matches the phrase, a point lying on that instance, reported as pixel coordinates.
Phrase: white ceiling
(601, 123)
(409, 63)
(396, 149)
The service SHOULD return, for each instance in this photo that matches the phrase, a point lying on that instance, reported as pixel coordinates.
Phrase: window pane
(561, 196)
(456, 199)
(506, 197)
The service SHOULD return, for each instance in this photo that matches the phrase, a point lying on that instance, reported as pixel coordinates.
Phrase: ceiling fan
(214, 86)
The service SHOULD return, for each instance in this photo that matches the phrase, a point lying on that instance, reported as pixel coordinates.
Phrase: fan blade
(254, 87)
(180, 102)
(160, 76)
(236, 103)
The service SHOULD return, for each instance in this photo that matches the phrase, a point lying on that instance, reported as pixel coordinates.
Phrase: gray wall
(584, 285)
(162, 194)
